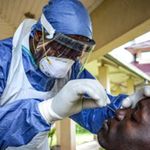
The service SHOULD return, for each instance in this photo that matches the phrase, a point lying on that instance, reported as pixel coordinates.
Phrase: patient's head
(129, 130)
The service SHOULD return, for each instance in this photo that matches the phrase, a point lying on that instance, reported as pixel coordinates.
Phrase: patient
(129, 130)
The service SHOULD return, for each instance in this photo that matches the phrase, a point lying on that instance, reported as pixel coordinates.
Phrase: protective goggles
(74, 44)
(62, 46)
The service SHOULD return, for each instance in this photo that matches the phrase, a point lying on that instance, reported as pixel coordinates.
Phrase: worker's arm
(5, 60)
(33, 116)
(69, 100)
(93, 119)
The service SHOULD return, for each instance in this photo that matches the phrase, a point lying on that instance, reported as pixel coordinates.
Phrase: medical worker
(42, 78)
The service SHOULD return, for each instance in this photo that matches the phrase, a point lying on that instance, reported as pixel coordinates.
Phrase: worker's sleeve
(20, 122)
(93, 119)
(5, 59)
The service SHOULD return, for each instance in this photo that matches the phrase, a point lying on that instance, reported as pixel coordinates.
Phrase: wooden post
(65, 131)
(58, 132)
(103, 77)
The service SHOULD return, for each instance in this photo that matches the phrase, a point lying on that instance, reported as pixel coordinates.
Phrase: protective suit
(23, 86)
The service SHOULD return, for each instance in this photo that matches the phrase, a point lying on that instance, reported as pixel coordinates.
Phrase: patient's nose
(121, 114)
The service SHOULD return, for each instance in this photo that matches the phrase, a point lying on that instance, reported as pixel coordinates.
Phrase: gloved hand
(132, 100)
(69, 100)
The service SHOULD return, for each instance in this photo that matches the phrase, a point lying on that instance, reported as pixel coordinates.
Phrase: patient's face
(129, 130)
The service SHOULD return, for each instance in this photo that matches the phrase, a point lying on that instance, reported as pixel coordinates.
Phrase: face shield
(52, 43)
(64, 46)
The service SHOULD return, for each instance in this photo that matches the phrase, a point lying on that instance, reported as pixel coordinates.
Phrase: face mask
(55, 67)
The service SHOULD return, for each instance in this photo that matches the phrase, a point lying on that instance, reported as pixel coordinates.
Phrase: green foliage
(51, 135)
(80, 130)
(52, 132)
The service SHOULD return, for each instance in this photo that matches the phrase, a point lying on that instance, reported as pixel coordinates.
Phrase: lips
(106, 125)
(103, 133)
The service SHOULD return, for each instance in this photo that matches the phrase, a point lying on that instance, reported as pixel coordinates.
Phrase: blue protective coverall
(20, 121)
(23, 85)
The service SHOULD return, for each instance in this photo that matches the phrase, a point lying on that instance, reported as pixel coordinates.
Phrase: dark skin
(129, 130)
